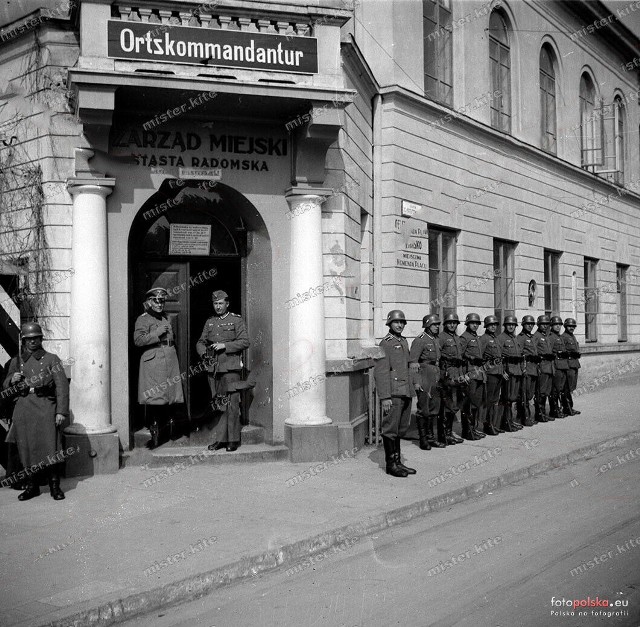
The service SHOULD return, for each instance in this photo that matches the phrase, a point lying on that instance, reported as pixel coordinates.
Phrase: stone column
(309, 432)
(90, 400)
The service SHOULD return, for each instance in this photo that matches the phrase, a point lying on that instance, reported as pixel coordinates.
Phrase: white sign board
(189, 239)
(210, 174)
(410, 208)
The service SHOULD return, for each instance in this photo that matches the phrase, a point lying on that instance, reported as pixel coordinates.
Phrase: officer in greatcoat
(531, 360)
(424, 362)
(452, 376)
(512, 361)
(394, 384)
(42, 404)
(222, 341)
(160, 379)
(572, 350)
(492, 365)
(545, 368)
(475, 397)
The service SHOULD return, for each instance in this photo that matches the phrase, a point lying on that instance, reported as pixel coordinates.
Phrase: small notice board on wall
(189, 239)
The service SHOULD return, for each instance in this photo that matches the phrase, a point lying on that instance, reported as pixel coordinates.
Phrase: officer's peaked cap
(157, 291)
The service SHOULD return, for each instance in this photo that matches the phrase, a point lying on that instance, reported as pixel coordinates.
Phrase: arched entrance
(194, 237)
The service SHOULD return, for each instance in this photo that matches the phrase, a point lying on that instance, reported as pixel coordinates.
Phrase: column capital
(88, 185)
(295, 193)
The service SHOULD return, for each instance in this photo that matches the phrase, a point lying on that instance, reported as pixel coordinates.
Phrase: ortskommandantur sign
(211, 47)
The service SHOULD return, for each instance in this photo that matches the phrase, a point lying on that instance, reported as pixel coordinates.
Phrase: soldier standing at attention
(395, 389)
(492, 358)
(452, 376)
(475, 398)
(424, 362)
(572, 349)
(223, 339)
(545, 372)
(512, 378)
(158, 366)
(560, 367)
(530, 376)
(41, 407)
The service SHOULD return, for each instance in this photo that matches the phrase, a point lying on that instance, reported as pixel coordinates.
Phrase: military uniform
(476, 393)
(572, 350)
(425, 351)
(44, 394)
(453, 382)
(530, 377)
(510, 390)
(492, 359)
(545, 372)
(393, 380)
(560, 367)
(224, 370)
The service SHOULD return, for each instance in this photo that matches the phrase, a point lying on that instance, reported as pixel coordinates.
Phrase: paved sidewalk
(143, 538)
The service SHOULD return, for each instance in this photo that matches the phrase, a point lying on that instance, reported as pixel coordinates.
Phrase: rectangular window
(438, 51)
(503, 282)
(590, 300)
(501, 81)
(551, 283)
(621, 280)
(442, 272)
(548, 112)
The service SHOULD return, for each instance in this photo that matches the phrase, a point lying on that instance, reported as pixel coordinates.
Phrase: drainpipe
(378, 314)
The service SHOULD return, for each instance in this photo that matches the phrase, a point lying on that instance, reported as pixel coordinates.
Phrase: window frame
(551, 261)
(504, 278)
(591, 300)
(548, 123)
(442, 294)
(621, 301)
(501, 110)
(438, 51)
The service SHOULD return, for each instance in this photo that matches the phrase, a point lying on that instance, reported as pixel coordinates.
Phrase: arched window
(500, 56)
(619, 115)
(548, 99)
(591, 149)
(438, 51)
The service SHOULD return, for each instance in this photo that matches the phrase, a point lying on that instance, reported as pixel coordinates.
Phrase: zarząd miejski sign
(209, 47)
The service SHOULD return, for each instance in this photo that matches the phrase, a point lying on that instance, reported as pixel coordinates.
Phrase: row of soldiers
(492, 379)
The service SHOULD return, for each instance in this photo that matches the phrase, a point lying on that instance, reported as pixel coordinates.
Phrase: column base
(315, 443)
(96, 454)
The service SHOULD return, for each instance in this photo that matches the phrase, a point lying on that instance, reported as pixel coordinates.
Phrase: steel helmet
(570, 322)
(472, 317)
(544, 319)
(452, 317)
(510, 320)
(31, 329)
(427, 321)
(395, 315)
(490, 320)
(556, 320)
(528, 320)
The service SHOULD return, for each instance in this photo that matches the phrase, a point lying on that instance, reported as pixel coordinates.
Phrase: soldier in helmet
(545, 368)
(424, 361)
(475, 398)
(530, 375)
(41, 406)
(395, 389)
(452, 377)
(158, 367)
(560, 367)
(492, 359)
(223, 339)
(572, 349)
(512, 377)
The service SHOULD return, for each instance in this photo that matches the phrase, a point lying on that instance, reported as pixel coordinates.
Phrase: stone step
(250, 434)
(169, 454)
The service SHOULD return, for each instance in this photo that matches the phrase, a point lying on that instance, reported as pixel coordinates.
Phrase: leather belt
(429, 363)
(475, 361)
(163, 343)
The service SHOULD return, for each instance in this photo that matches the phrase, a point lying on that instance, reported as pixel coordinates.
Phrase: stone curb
(199, 585)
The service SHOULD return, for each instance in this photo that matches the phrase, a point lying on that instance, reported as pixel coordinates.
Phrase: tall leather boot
(467, 431)
(409, 471)
(450, 436)
(33, 489)
(442, 437)
(431, 438)
(543, 405)
(567, 404)
(390, 458)
(507, 424)
(489, 416)
(422, 432)
(539, 403)
(554, 402)
(574, 412)
(54, 484)
(154, 430)
(476, 413)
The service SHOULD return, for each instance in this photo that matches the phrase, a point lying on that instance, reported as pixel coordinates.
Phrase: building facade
(322, 165)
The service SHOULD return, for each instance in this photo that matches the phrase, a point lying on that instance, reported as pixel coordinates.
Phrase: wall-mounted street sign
(145, 41)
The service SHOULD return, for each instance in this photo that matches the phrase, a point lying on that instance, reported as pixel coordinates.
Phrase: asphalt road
(512, 558)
